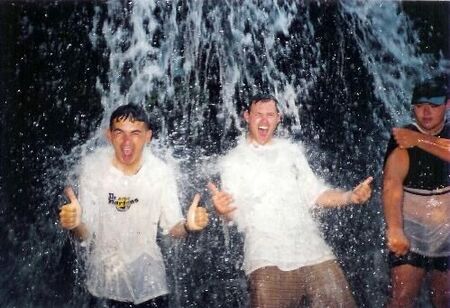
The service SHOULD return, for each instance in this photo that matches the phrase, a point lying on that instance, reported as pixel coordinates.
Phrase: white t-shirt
(274, 188)
(122, 214)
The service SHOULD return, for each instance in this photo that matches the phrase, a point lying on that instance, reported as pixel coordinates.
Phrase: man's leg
(271, 287)
(406, 281)
(440, 288)
(327, 286)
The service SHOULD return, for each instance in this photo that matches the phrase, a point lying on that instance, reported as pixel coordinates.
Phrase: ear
(108, 134)
(148, 135)
(246, 116)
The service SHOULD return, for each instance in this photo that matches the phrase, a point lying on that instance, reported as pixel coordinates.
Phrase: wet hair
(130, 112)
(435, 87)
(262, 98)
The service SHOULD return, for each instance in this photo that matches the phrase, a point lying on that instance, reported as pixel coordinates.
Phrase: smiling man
(416, 199)
(269, 192)
(126, 194)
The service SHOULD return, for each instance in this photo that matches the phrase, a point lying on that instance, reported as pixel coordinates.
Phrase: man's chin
(127, 160)
(263, 141)
(430, 127)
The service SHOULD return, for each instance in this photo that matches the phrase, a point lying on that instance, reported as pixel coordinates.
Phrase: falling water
(342, 71)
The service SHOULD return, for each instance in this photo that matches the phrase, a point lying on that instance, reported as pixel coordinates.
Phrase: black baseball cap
(433, 91)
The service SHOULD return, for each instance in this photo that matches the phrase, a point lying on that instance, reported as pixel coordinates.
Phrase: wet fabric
(426, 200)
(274, 189)
(321, 285)
(426, 216)
(122, 214)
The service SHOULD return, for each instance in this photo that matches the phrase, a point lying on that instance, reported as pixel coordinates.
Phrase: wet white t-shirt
(274, 188)
(122, 214)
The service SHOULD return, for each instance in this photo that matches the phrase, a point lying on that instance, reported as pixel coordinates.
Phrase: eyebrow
(121, 130)
(270, 112)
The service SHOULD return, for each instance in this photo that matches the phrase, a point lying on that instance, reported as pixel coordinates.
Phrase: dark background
(49, 104)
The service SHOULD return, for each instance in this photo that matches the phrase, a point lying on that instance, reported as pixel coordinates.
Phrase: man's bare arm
(395, 172)
(334, 198)
(436, 146)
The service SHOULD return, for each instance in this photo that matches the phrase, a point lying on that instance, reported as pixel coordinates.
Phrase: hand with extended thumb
(362, 192)
(223, 201)
(70, 214)
(197, 217)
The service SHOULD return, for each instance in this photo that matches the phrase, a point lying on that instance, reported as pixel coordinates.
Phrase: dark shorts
(414, 259)
(157, 302)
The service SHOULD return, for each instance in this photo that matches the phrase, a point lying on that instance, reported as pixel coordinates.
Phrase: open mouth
(127, 152)
(263, 130)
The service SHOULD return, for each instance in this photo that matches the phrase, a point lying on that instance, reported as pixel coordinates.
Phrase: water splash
(342, 71)
(195, 64)
(389, 52)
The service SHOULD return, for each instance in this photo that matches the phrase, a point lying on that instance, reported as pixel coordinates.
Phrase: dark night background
(49, 104)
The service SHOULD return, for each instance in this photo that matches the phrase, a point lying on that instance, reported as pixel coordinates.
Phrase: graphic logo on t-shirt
(122, 204)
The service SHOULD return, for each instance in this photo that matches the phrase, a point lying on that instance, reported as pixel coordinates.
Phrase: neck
(433, 131)
(127, 169)
(253, 141)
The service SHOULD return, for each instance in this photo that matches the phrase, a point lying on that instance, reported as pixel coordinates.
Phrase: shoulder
(157, 165)
(97, 159)
(293, 146)
(238, 151)
(289, 147)
(446, 130)
(392, 144)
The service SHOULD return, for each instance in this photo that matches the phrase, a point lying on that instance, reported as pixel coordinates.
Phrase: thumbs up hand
(362, 192)
(197, 217)
(222, 200)
(70, 214)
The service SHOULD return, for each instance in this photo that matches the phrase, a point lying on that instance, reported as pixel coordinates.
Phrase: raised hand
(362, 192)
(197, 217)
(405, 138)
(70, 214)
(222, 200)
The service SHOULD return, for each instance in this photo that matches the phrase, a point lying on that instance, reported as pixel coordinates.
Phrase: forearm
(179, 230)
(81, 232)
(228, 217)
(392, 206)
(333, 198)
(434, 145)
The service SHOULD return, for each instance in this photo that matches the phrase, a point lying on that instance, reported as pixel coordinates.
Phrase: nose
(265, 117)
(126, 138)
(427, 109)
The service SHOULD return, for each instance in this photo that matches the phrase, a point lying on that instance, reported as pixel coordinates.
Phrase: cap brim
(435, 100)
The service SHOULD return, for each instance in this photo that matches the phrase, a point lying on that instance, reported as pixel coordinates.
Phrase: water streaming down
(342, 73)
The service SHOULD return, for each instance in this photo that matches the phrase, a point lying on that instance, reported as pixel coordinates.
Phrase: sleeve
(231, 182)
(170, 205)
(310, 185)
(88, 198)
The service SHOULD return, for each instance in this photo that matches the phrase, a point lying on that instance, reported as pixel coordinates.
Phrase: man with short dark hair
(269, 192)
(416, 199)
(126, 193)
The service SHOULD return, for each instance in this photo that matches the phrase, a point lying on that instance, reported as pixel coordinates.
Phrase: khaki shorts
(320, 285)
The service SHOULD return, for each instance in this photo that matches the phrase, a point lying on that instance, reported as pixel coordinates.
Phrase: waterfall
(343, 73)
